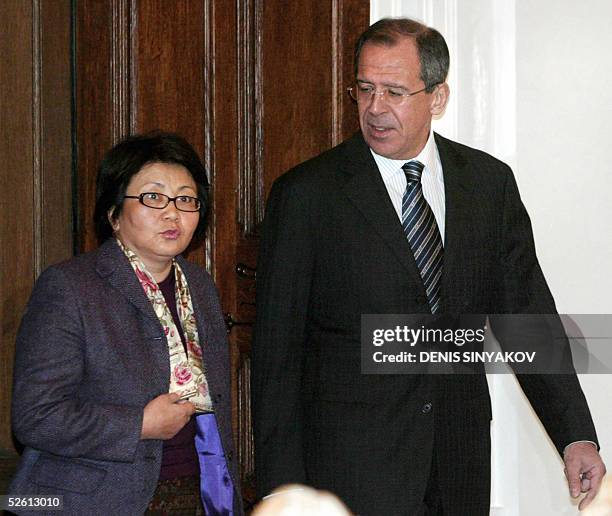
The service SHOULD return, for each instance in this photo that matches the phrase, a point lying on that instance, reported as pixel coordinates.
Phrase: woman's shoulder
(80, 274)
(63, 285)
(74, 268)
(197, 276)
(200, 282)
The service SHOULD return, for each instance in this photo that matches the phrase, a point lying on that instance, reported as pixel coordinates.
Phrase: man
(339, 241)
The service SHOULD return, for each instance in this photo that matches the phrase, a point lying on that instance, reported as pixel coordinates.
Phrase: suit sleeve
(557, 399)
(47, 412)
(284, 274)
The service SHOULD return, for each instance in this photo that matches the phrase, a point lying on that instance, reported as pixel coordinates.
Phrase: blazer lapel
(365, 188)
(458, 188)
(114, 265)
(206, 311)
(201, 305)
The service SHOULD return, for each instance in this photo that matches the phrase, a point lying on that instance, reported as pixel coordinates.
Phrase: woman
(121, 391)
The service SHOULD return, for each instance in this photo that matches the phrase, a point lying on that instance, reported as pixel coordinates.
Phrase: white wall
(531, 82)
(564, 124)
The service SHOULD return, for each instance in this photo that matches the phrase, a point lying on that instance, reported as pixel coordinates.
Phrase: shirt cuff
(591, 442)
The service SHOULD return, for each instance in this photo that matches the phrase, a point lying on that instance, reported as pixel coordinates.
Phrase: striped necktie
(422, 232)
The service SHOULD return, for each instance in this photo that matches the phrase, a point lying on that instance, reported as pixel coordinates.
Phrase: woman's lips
(171, 234)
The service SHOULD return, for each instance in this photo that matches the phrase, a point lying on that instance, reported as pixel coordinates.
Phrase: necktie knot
(413, 170)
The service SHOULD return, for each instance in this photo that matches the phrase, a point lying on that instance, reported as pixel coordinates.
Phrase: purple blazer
(90, 354)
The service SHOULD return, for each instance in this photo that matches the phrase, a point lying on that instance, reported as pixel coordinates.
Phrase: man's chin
(391, 146)
(382, 147)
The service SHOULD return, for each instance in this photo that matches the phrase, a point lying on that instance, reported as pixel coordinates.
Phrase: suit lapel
(114, 266)
(201, 305)
(458, 189)
(205, 312)
(365, 188)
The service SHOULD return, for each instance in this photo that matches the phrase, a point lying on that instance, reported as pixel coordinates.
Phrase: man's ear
(439, 99)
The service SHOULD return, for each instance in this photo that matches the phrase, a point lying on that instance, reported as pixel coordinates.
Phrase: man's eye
(396, 93)
(365, 89)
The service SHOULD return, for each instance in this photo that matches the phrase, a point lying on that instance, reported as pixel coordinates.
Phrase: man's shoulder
(464, 154)
(320, 170)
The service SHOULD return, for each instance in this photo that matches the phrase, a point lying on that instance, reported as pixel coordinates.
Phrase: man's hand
(584, 470)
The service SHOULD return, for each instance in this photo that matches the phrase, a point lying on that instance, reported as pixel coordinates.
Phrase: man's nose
(377, 103)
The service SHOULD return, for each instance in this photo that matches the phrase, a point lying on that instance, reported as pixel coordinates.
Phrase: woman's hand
(164, 416)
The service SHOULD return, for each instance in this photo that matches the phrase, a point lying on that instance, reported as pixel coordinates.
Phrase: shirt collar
(428, 156)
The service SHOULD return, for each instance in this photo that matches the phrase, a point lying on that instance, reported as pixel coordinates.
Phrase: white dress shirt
(432, 180)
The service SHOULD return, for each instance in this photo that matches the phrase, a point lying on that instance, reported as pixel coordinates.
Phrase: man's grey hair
(433, 52)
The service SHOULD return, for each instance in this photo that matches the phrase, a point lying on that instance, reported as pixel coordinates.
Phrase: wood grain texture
(297, 83)
(120, 25)
(16, 195)
(55, 133)
(35, 146)
(353, 19)
(95, 111)
(167, 65)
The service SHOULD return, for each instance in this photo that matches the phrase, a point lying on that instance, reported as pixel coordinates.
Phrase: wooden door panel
(168, 68)
(257, 86)
(35, 150)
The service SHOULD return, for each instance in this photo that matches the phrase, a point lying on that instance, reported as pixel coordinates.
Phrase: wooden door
(256, 86)
(35, 152)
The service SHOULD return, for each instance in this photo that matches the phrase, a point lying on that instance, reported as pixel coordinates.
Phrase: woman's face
(155, 235)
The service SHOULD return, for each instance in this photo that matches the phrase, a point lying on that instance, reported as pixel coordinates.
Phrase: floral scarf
(187, 374)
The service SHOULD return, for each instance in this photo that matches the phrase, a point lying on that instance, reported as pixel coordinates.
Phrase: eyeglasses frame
(351, 91)
(170, 199)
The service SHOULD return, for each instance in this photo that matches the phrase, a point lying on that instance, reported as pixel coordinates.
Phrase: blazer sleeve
(557, 399)
(47, 412)
(284, 274)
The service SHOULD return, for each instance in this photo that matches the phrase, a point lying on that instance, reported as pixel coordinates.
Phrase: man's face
(396, 131)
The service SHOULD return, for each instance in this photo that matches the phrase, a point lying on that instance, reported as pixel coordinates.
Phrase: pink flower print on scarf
(145, 281)
(182, 374)
(203, 389)
(194, 349)
(187, 368)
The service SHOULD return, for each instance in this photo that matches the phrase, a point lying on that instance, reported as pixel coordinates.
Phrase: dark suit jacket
(333, 249)
(90, 355)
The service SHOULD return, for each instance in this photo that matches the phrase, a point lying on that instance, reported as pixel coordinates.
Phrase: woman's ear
(112, 220)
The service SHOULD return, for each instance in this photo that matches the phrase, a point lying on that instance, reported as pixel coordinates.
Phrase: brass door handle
(230, 322)
(244, 271)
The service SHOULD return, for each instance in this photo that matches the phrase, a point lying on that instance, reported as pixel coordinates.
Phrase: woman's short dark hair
(433, 52)
(127, 158)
